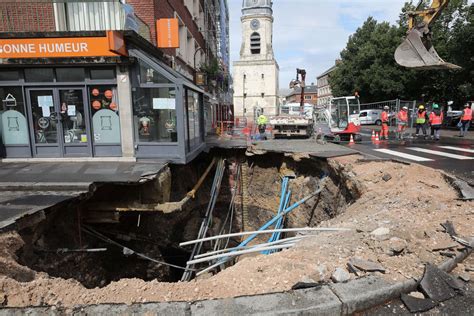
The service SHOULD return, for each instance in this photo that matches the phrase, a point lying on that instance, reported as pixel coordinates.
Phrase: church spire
(257, 7)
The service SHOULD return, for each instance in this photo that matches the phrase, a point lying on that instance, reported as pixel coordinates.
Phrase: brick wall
(26, 17)
(151, 10)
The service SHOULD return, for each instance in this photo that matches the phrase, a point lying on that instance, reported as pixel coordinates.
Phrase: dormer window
(255, 43)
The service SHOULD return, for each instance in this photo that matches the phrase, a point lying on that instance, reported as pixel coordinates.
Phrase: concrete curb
(333, 299)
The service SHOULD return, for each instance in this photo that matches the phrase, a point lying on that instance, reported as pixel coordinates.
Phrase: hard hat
(435, 106)
(386, 108)
(405, 108)
(421, 107)
(466, 105)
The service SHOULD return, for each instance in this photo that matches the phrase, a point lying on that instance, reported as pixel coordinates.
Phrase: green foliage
(368, 65)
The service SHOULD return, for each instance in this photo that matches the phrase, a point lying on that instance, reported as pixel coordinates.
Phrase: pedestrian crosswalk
(428, 155)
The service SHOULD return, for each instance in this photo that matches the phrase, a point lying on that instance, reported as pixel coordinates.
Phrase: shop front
(121, 103)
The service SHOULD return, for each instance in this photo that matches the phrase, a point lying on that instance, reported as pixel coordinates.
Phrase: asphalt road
(452, 154)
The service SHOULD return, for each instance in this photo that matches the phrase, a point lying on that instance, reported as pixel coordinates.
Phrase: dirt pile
(395, 223)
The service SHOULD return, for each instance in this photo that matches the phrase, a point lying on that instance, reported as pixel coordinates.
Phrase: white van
(370, 117)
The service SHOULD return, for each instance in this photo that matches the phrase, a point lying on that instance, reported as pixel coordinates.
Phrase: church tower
(256, 74)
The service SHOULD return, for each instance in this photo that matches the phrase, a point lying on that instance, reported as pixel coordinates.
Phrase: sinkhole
(116, 234)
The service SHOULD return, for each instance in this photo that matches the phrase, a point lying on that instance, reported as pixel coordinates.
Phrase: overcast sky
(310, 34)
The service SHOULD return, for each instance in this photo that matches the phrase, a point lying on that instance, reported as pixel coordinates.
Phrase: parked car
(374, 116)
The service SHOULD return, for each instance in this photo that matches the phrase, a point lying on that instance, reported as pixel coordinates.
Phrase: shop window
(193, 110)
(150, 75)
(70, 74)
(13, 124)
(9, 75)
(105, 114)
(154, 113)
(102, 74)
(39, 75)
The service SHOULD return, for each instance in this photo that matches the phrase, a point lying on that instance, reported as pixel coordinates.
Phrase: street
(451, 154)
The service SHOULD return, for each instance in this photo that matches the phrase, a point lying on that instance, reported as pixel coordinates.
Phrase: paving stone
(434, 285)
(465, 277)
(417, 305)
(366, 265)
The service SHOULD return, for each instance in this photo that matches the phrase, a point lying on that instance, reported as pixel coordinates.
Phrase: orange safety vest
(467, 115)
(435, 119)
(384, 117)
(403, 116)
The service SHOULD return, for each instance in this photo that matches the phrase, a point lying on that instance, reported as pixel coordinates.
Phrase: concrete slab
(175, 308)
(309, 146)
(364, 293)
(315, 301)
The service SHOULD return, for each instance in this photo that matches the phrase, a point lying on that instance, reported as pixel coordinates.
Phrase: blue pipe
(284, 187)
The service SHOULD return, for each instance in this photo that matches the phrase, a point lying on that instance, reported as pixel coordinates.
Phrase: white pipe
(281, 241)
(191, 242)
(238, 253)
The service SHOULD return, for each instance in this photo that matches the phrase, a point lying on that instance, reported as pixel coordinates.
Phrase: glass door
(60, 122)
(44, 119)
(74, 119)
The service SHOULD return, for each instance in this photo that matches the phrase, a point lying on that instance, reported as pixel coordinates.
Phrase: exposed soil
(411, 202)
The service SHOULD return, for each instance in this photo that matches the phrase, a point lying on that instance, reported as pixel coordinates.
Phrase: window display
(154, 112)
(13, 125)
(105, 115)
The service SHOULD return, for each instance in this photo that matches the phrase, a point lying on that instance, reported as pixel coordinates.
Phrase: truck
(291, 122)
(295, 119)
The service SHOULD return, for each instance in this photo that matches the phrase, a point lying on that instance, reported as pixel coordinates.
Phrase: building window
(13, 125)
(102, 74)
(307, 97)
(245, 95)
(263, 76)
(154, 114)
(193, 108)
(150, 75)
(39, 75)
(245, 77)
(105, 114)
(70, 74)
(255, 43)
(263, 95)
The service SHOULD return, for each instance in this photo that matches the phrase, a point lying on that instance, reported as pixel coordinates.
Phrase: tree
(368, 65)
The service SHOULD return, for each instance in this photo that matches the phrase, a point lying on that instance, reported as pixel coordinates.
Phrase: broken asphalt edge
(330, 299)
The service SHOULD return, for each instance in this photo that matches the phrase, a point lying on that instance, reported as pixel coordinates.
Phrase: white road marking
(458, 149)
(402, 155)
(440, 153)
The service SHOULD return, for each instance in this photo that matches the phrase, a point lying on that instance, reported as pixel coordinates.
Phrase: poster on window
(164, 104)
(45, 101)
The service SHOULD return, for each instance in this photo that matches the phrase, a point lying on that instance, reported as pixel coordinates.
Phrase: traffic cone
(351, 141)
(373, 135)
(377, 140)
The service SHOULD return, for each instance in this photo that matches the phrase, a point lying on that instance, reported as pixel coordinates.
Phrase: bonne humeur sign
(58, 47)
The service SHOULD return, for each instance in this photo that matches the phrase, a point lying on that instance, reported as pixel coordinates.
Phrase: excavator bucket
(418, 53)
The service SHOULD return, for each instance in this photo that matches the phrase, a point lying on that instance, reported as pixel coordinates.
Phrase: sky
(310, 34)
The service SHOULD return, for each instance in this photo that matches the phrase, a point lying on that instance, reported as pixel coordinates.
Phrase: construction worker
(262, 122)
(421, 120)
(384, 133)
(436, 120)
(402, 117)
(466, 119)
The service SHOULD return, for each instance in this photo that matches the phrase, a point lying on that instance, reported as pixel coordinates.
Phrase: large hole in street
(95, 244)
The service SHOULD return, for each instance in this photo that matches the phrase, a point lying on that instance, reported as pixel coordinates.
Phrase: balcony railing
(69, 16)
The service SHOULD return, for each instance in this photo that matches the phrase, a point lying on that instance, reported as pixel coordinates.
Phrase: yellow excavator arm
(417, 51)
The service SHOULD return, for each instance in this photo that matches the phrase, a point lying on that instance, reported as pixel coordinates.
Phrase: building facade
(256, 74)
(310, 95)
(324, 87)
(70, 89)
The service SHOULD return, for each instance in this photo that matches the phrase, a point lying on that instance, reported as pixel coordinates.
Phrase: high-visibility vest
(421, 119)
(384, 117)
(435, 119)
(403, 116)
(467, 115)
